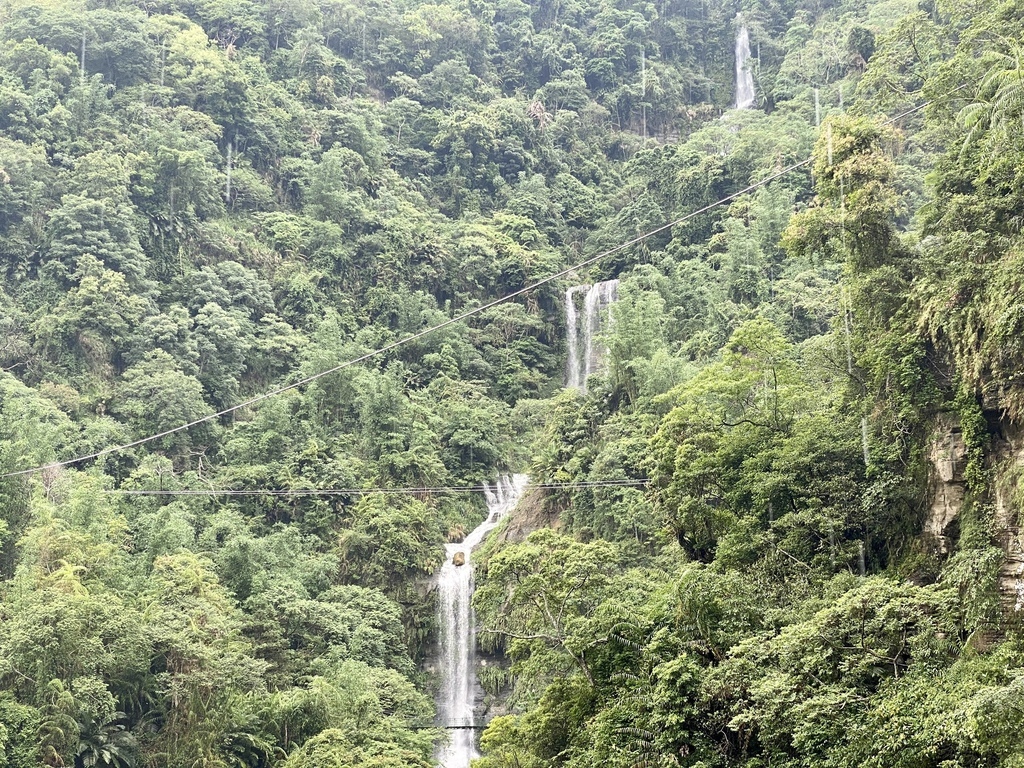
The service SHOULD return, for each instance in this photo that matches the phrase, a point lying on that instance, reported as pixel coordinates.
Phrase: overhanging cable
(450, 321)
(425, 490)
(413, 337)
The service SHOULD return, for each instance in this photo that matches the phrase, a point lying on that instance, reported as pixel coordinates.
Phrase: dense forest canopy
(786, 531)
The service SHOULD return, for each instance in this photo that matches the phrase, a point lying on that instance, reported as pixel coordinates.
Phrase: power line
(440, 489)
(446, 323)
(413, 337)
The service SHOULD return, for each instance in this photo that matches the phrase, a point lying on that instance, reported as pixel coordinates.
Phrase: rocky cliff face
(1007, 461)
(947, 485)
(948, 491)
(531, 514)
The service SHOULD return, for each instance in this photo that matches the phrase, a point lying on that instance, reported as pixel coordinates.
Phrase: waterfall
(599, 298)
(586, 353)
(457, 695)
(744, 77)
(572, 371)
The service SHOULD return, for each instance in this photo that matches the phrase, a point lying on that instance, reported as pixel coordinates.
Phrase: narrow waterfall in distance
(744, 77)
(456, 698)
(572, 369)
(585, 352)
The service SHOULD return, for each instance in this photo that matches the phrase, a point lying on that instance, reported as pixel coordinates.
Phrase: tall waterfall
(457, 695)
(744, 77)
(586, 353)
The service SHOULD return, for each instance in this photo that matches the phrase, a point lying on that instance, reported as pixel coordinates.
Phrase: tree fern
(999, 108)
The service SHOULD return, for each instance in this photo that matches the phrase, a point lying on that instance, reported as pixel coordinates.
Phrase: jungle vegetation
(815, 386)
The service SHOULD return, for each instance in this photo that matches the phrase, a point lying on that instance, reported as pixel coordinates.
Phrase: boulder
(459, 558)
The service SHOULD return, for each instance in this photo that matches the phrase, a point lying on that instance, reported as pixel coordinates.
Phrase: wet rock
(459, 558)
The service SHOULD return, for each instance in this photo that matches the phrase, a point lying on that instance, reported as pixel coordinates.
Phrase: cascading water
(572, 374)
(457, 696)
(598, 303)
(586, 353)
(744, 77)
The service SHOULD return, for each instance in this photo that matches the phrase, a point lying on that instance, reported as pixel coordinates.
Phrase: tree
(393, 540)
(357, 715)
(204, 663)
(156, 396)
(723, 414)
(549, 583)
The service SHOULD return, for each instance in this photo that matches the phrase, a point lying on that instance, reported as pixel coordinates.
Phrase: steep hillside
(809, 405)
(826, 566)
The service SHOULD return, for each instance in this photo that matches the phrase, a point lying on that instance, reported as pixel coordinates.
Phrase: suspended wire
(639, 483)
(407, 339)
(446, 323)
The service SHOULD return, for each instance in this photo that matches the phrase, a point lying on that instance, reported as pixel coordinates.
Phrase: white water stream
(744, 77)
(456, 698)
(586, 353)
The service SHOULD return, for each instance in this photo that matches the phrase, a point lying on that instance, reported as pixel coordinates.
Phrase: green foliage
(201, 202)
(393, 539)
(796, 454)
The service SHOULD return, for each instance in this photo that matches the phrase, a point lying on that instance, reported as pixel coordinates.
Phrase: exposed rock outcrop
(1008, 463)
(530, 514)
(947, 486)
